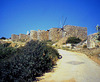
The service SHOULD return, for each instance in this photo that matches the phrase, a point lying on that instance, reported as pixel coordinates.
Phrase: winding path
(73, 67)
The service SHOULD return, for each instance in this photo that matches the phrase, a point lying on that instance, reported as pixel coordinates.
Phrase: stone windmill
(62, 24)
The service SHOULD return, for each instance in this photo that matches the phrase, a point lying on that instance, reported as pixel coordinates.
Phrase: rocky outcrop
(92, 41)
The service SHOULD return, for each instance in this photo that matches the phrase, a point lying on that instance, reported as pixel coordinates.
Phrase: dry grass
(91, 53)
(13, 43)
(61, 42)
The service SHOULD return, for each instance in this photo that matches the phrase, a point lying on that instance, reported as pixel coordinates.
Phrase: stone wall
(75, 31)
(24, 37)
(14, 37)
(33, 35)
(42, 35)
(55, 34)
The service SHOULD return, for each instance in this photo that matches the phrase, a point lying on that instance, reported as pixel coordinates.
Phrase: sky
(20, 16)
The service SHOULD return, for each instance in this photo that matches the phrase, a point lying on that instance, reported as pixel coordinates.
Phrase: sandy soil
(73, 67)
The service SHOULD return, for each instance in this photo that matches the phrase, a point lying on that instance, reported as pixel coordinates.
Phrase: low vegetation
(6, 51)
(85, 46)
(98, 38)
(73, 40)
(24, 64)
(48, 42)
(3, 38)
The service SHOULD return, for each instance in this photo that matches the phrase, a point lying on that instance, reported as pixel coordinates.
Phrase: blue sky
(20, 16)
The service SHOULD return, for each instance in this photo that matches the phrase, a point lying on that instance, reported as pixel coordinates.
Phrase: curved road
(73, 67)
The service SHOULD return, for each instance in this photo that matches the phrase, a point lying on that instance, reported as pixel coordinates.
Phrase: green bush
(3, 38)
(32, 60)
(98, 38)
(84, 46)
(6, 52)
(73, 40)
(48, 42)
(6, 44)
(22, 40)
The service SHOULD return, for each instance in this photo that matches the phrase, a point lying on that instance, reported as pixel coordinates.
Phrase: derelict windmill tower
(62, 24)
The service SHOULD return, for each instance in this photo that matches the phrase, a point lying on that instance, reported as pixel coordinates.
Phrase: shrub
(3, 38)
(22, 40)
(64, 43)
(73, 40)
(6, 44)
(64, 48)
(84, 46)
(32, 60)
(48, 42)
(6, 52)
(98, 38)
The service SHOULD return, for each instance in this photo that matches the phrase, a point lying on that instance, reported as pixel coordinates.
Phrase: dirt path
(73, 67)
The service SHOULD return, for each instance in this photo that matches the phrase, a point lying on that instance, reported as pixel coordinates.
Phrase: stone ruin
(42, 35)
(75, 31)
(20, 37)
(53, 34)
(33, 35)
(14, 37)
(24, 37)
